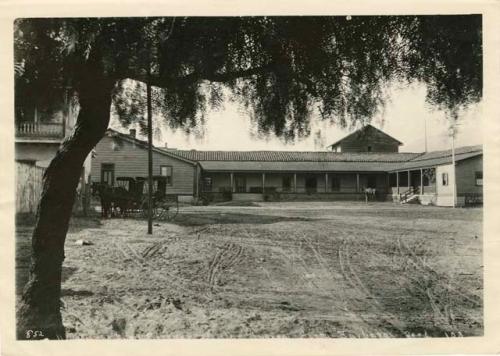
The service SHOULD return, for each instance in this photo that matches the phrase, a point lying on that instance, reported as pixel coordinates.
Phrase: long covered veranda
(283, 185)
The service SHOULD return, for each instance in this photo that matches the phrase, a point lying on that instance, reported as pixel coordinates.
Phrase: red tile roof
(291, 156)
(290, 166)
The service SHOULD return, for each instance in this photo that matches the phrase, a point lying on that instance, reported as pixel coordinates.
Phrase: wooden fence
(28, 187)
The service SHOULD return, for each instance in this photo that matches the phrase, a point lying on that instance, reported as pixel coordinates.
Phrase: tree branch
(198, 76)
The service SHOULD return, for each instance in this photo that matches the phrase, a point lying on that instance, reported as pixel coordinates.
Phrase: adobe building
(367, 158)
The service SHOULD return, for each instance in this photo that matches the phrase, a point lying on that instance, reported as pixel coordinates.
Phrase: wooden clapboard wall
(28, 186)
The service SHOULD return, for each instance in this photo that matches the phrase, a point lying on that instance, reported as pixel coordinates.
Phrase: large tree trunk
(39, 308)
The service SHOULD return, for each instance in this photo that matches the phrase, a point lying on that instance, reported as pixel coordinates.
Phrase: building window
(108, 173)
(167, 171)
(369, 149)
(335, 182)
(479, 178)
(444, 179)
(207, 184)
(287, 184)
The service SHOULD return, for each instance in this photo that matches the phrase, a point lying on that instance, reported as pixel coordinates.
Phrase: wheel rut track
(224, 258)
(442, 317)
(392, 324)
(183, 284)
(419, 264)
(346, 272)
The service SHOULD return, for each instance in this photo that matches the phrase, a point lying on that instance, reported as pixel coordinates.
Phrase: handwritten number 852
(30, 334)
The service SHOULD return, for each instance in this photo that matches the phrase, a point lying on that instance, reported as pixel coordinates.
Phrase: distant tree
(319, 140)
(279, 68)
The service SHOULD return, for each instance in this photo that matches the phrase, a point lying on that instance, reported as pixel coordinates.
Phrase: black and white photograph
(249, 177)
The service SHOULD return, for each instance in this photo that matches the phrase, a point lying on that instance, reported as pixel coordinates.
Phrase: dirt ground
(275, 270)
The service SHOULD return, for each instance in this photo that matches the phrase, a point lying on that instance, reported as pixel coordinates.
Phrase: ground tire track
(173, 279)
(214, 265)
(225, 258)
(416, 261)
(353, 279)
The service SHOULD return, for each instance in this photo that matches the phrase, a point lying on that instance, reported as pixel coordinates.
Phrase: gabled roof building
(366, 139)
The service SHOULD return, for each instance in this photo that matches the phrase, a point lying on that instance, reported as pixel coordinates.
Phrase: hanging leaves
(279, 69)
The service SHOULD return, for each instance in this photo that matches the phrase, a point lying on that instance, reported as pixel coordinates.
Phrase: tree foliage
(279, 68)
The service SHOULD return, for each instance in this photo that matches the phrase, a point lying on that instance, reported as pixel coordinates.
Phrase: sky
(404, 117)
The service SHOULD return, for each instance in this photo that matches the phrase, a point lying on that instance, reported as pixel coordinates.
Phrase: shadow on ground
(197, 219)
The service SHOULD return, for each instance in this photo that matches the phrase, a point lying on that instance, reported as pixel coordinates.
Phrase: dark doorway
(287, 184)
(311, 185)
(241, 184)
(371, 181)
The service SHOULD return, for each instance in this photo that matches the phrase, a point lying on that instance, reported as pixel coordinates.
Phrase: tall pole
(150, 158)
(425, 132)
(453, 164)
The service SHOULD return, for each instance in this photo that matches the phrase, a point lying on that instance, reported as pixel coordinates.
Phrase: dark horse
(114, 200)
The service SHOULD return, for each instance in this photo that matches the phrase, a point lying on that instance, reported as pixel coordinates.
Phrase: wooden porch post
(295, 182)
(231, 175)
(263, 182)
(326, 182)
(397, 181)
(357, 182)
(197, 179)
(421, 181)
(409, 179)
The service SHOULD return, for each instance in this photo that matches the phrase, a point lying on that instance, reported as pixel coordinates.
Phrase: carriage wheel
(158, 211)
(171, 210)
(144, 210)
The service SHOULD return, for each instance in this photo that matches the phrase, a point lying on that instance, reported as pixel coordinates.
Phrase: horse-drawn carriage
(130, 198)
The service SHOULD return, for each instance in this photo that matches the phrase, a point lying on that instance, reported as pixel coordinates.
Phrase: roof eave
(145, 145)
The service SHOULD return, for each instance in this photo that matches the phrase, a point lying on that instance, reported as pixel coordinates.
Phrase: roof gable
(143, 144)
(367, 131)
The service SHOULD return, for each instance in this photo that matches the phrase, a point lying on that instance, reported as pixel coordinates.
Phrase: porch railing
(32, 129)
(409, 194)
